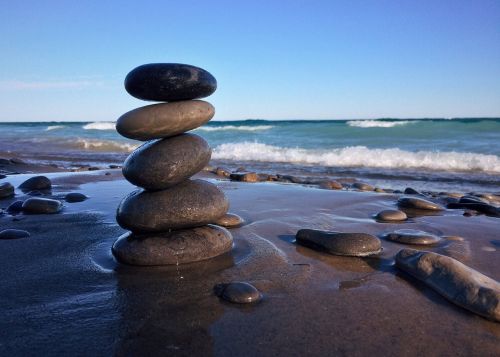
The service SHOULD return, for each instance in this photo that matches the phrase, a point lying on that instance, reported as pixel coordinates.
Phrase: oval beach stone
(14, 234)
(41, 205)
(75, 197)
(413, 236)
(36, 183)
(362, 186)
(454, 280)
(230, 220)
(15, 207)
(174, 247)
(391, 215)
(6, 190)
(159, 164)
(189, 204)
(168, 82)
(163, 120)
(352, 244)
(238, 292)
(419, 203)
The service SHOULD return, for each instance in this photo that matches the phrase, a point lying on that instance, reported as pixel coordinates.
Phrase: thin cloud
(36, 85)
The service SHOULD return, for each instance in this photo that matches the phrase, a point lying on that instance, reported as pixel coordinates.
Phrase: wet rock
(34, 193)
(15, 207)
(470, 213)
(485, 208)
(112, 166)
(189, 204)
(6, 190)
(397, 191)
(4, 162)
(42, 206)
(419, 203)
(379, 190)
(470, 199)
(75, 197)
(362, 186)
(454, 280)
(93, 168)
(244, 176)
(238, 292)
(413, 236)
(164, 120)
(390, 215)
(174, 247)
(351, 244)
(168, 82)
(16, 160)
(159, 164)
(14, 234)
(292, 179)
(221, 171)
(2, 176)
(411, 191)
(36, 183)
(331, 185)
(230, 220)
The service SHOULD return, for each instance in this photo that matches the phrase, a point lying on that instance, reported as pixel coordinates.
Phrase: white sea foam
(100, 126)
(54, 127)
(236, 128)
(104, 145)
(359, 156)
(378, 123)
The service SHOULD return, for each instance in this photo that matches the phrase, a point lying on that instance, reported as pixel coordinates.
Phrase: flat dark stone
(480, 207)
(14, 234)
(411, 191)
(331, 185)
(15, 207)
(168, 82)
(362, 186)
(351, 244)
(164, 120)
(244, 176)
(238, 292)
(175, 247)
(6, 190)
(75, 197)
(159, 164)
(36, 183)
(189, 204)
(413, 236)
(419, 203)
(42, 206)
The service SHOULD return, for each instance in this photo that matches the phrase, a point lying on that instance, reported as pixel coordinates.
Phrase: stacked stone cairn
(169, 216)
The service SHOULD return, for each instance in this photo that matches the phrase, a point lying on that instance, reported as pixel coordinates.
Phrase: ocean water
(425, 153)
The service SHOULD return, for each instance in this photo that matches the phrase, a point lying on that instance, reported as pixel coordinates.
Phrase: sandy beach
(64, 293)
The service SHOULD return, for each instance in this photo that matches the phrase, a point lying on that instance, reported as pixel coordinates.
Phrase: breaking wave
(378, 123)
(104, 145)
(55, 127)
(236, 128)
(100, 126)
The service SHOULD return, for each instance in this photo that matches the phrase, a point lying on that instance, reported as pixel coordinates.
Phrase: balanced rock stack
(169, 218)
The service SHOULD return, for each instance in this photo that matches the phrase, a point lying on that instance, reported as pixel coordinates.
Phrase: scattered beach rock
(164, 120)
(42, 206)
(4, 162)
(238, 292)
(331, 185)
(2, 176)
(352, 244)
(175, 247)
(419, 203)
(413, 236)
(485, 208)
(16, 160)
(14, 234)
(112, 166)
(379, 190)
(36, 183)
(457, 282)
(15, 207)
(362, 186)
(159, 164)
(230, 220)
(6, 190)
(221, 171)
(411, 191)
(168, 82)
(189, 204)
(244, 176)
(75, 197)
(390, 215)
(470, 213)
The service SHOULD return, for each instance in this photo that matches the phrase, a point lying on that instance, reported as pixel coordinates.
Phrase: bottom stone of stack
(174, 247)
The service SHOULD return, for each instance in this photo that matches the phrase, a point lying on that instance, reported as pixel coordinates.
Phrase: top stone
(168, 82)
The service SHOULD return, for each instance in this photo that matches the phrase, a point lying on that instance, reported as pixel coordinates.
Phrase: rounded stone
(191, 203)
(15, 207)
(419, 203)
(411, 191)
(163, 120)
(159, 164)
(362, 186)
(238, 292)
(14, 234)
(230, 220)
(413, 236)
(36, 183)
(174, 247)
(75, 197)
(351, 244)
(168, 82)
(6, 190)
(37, 205)
(244, 176)
(331, 185)
(391, 215)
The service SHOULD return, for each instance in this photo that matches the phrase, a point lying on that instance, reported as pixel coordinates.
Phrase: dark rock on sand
(163, 120)
(331, 185)
(6, 190)
(244, 176)
(189, 204)
(2, 176)
(413, 236)
(14, 234)
(168, 82)
(352, 244)
(480, 207)
(419, 203)
(221, 171)
(4, 162)
(75, 197)
(16, 160)
(15, 207)
(159, 164)
(36, 183)
(362, 186)
(457, 282)
(238, 292)
(391, 215)
(41, 206)
(230, 220)
(411, 191)
(174, 247)
(112, 166)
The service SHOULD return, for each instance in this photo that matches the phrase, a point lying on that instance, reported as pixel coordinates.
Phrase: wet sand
(63, 293)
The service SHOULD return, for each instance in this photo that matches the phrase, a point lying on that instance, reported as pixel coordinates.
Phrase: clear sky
(66, 60)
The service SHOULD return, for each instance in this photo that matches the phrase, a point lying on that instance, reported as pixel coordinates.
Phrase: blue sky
(66, 60)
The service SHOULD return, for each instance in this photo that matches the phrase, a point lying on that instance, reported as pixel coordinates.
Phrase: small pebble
(15, 207)
(230, 220)
(362, 186)
(331, 185)
(75, 197)
(419, 203)
(391, 215)
(244, 176)
(42, 206)
(238, 292)
(6, 190)
(36, 183)
(13, 234)
(413, 236)
(221, 171)
(411, 191)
